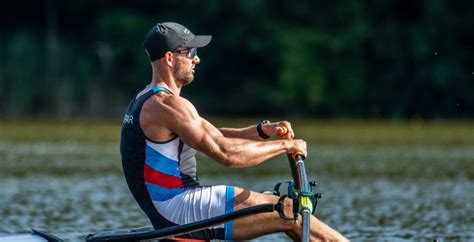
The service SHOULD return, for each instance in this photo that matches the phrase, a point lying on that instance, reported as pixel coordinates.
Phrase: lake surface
(381, 181)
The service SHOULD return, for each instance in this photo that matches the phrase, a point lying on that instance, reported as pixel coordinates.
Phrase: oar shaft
(180, 229)
(306, 216)
(304, 203)
(294, 171)
(302, 178)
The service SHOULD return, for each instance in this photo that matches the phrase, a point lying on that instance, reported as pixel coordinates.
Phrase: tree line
(375, 59)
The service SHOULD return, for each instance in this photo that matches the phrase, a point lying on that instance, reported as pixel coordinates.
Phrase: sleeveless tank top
(154, 171)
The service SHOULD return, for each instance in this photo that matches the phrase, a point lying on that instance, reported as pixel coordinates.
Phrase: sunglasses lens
(192, 53)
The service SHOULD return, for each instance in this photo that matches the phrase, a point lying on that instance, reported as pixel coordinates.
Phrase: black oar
(302, 193)
(180, 229)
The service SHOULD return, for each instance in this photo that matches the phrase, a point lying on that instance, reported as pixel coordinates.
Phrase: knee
(288, 203)
(291, 224)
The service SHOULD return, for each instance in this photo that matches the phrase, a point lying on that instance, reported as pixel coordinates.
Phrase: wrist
(286, 145)
(260, 131)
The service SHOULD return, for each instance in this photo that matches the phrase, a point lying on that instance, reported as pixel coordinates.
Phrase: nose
(196, 60)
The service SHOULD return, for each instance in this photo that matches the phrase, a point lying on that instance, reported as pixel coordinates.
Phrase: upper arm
(182, 118)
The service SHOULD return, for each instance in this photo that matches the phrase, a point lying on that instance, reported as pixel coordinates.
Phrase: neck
(168, 85)
(165, 79)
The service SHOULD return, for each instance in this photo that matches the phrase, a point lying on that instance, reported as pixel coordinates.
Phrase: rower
(162, 132)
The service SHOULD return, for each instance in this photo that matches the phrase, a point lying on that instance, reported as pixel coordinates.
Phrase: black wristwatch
(260, 131)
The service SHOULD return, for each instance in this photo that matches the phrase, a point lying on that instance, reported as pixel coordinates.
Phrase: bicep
(202, 136)
(193, 130)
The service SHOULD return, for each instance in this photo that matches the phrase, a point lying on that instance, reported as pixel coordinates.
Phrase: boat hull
(35, 236)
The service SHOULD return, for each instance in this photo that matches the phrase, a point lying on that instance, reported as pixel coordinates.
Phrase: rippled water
(67, 181)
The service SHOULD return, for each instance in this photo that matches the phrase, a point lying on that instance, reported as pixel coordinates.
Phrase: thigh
(199, 203)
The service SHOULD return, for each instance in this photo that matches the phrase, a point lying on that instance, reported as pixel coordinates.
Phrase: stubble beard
(183, 75)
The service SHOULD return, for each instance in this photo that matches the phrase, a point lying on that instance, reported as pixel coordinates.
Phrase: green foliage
(386, 59)
(21, 72)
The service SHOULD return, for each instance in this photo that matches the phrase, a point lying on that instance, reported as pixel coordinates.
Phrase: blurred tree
(390, 59)
(22, 73)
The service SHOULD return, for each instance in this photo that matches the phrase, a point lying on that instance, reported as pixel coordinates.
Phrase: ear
(168, 59)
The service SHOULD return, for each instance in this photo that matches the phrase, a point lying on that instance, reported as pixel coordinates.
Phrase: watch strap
(260, 131)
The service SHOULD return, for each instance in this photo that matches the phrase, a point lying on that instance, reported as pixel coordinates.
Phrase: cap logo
(160, 28)
(186, 31)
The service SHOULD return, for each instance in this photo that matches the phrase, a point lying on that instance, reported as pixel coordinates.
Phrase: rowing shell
(35, 236)
(38, 236)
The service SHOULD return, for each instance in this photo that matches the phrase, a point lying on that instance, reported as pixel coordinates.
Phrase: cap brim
(199, 41)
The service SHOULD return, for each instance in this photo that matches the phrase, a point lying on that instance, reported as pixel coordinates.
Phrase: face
(185, 62)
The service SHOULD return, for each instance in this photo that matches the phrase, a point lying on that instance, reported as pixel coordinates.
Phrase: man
(161, 133)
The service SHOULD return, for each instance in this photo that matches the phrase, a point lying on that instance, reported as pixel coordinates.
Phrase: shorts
(200, 203)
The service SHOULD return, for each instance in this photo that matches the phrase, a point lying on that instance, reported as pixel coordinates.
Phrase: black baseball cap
(169, 36)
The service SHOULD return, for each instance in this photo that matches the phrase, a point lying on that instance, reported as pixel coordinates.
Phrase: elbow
(226, 153)
(227, 163)
(226, 160)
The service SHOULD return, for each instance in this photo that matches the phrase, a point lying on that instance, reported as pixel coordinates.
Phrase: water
(393, 183)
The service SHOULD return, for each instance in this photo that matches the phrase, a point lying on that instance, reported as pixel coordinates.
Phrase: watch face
(260, 131)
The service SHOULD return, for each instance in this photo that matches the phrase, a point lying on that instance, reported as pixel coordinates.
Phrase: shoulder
(169, 105)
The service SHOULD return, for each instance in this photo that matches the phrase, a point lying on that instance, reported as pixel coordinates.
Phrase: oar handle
(298, 155)
(292, 159)
(284, 131)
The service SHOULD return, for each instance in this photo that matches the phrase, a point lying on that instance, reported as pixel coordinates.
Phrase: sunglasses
(190, 53)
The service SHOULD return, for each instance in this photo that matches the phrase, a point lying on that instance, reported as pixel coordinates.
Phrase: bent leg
(266, 223)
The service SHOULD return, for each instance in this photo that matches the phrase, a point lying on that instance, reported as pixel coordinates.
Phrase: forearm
(243, 151)
(238, 153)
(241, 133)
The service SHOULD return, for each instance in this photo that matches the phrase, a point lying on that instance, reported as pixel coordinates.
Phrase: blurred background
(382, 91)
(389, 59)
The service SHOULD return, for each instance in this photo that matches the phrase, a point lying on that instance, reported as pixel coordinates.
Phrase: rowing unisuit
(162, 178)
